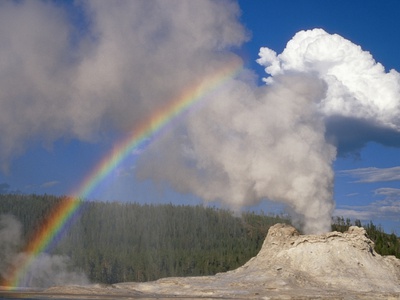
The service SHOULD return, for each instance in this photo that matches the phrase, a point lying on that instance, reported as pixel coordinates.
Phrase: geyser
(243, 144)
(250, 143)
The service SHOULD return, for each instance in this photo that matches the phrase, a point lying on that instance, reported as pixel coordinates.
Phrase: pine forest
(121, 242)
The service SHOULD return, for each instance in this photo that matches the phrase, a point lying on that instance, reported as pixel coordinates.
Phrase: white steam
(10, 241)
(106, 73)
(249, 144)
(278, 142)
(59, 81)
(44, 271)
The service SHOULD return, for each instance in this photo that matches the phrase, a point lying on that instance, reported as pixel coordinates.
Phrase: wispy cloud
(372, 174)
(386, 208)
(352, 194)
(391, 193)
(354, 212)
(43, 185)
(49, 184)
(125, 171)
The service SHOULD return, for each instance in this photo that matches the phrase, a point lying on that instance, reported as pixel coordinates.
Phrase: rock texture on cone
(289, 266)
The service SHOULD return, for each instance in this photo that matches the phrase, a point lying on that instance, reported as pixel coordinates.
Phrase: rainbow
(62, 214)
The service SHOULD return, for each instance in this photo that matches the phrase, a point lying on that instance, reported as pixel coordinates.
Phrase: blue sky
(55, 162)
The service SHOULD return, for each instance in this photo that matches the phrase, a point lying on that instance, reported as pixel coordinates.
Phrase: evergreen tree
(118, 242)
(115, 242)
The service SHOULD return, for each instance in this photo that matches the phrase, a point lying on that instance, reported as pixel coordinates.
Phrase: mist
(58, 81)
(246, 143)
(324, 95)
(45, 270)
(254, 143)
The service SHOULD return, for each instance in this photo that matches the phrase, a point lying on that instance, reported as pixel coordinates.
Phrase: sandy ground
(36, 295)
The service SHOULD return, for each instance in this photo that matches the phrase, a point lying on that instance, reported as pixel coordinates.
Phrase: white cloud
(357, 85)
(362, 99)
(387, 208)
(389, 193)
(49, 184)
(352, 194)
(358, 212)
(372, 174)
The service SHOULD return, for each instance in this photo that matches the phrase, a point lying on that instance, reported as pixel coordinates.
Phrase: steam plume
(323, 95)
(57, 81)
(279, 141)
(46, 270)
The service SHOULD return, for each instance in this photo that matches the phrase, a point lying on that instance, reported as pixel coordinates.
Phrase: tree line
(385, 244)
(120, 242)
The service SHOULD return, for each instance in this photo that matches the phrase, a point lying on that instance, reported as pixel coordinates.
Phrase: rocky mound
(333, 265)
(345, 261)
